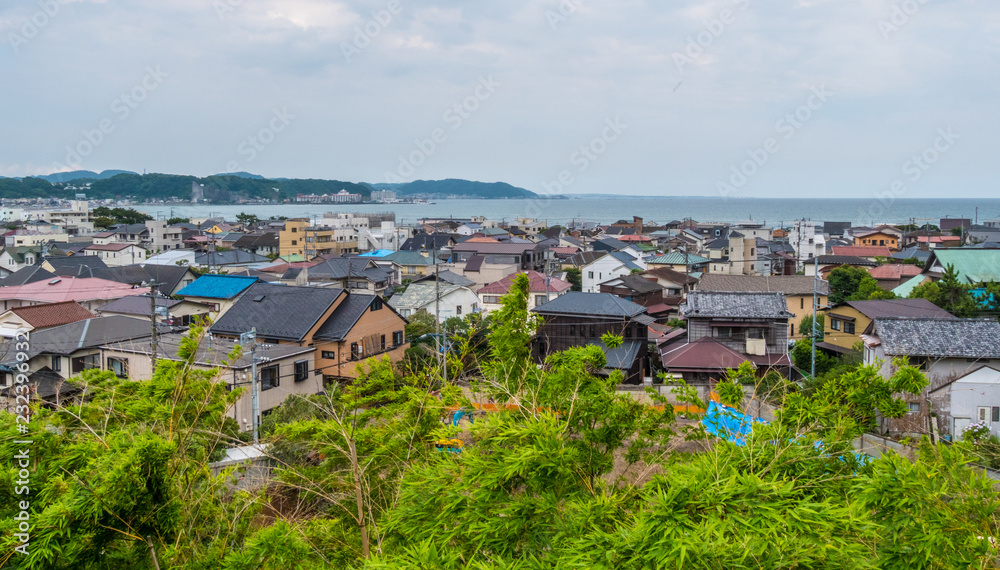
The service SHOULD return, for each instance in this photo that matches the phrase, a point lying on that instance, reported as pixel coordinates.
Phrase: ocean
(772, 211)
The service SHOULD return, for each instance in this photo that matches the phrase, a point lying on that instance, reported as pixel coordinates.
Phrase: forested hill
(140, 187)
(227, 188)
(456, 187)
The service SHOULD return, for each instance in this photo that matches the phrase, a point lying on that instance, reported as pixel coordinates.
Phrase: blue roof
(377, 253)
(217, 286)
(626, 259)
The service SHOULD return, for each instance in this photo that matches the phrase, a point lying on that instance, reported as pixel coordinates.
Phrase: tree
(949, 294)
(844, 282)
(869, 290)
(245, 219)
(121, 215)
(806, 326)
(575, 278)
(173, 221)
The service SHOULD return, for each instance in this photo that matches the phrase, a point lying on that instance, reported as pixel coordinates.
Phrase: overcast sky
(632, 97)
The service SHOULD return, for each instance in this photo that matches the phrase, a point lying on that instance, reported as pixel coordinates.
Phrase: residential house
(28, 274)
(869, 252)
(688, 263)
(169, 311)
(289, 369)
(641, 290)
(847, 321)
(427, 243)
(893, 275)
(300, 237)
(527, 256)
(827, 263)
(87, 291)
(443, 299)
(726, 329)
(948, 224)
(33, 318)
(117, 254)
(948, 351)
(807, 241)
(355, 273)
(605, 267)
(736, 255)
(479, 271)
(15, 258)
(409, 265)
(219, 292)
(346, 328)
(882, 236)
(797, 289)
(581, 319)
(541, 290)
(170, 278)
(263, 243)
(235, 258)
(972, 265)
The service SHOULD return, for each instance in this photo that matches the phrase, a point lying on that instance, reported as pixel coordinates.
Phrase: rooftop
(590, 304)
(281, 312)
(787, 284)
(217, 286)
(738, 305)
(53, 314)
(938, 337)
(900, 308)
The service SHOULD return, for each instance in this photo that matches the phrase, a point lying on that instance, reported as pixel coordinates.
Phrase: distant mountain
(82, 175)
(456, 187)
(242, 174)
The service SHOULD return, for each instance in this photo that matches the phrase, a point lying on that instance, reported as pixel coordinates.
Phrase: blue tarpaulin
(729, 424)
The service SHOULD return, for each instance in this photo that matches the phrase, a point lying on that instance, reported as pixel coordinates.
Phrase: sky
(807, 98)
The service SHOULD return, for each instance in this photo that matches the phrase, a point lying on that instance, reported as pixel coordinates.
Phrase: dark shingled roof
(900, 308)
(938, 337)
(90, 333)
(46, 383)
(280, 312)
(738, 305)
(345, 316)
(635, 283)
(621, 358)
(590, 304)
(169, 276)
(29, 274)
(72, 262)
(136, 305)
(840, 260)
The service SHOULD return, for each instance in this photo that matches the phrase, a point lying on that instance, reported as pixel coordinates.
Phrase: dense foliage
(544, 467)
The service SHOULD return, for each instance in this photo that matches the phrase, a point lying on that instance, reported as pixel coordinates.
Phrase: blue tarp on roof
(378, 253)
(217, 286)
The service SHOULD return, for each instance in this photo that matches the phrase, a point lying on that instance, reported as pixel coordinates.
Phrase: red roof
(937, 239)
(635, 238)
(536, 284)
(894, 271)
(481, 240)
(564, 250)
(53, 314)
(705, 355)
(861, 250)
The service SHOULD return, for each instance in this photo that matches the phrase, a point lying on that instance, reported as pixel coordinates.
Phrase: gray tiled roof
(590, 304)
(735, 305)
(635, 283)
(90, 333)
(25, 275)
(938, 337)
(900, 308)
(419, 295)
(277, 311)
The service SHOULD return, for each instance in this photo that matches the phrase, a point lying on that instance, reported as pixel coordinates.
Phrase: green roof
(972, 265)
(408, 258)
(904, 290)
(293, 258)
(677, 258)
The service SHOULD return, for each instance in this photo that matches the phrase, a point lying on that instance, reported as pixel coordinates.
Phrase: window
(540, 300)
(995, 414)
(269, 378)
(404, 312)
(628, 332)
(913, 407)
(593, 331)
(458, 309)
(475, 307)
(802, 303)
(382, 343)
(329, 355)
(397, 338)
(119, 366)
(590, 275)
(376, 304)
(849, 328)
(572, 330)
(491, 299)
(834, 325)
(355, 352)
(295, 230)
(755, 333)
(295, 242)
(301, 370)
(56, 363)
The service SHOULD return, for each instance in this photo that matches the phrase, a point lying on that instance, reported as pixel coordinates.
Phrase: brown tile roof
(53, 314)
(900, 308)
(703, 355)
(109, 247)
(536, 284)
(787, 284)
(861, 250)
(894, 271)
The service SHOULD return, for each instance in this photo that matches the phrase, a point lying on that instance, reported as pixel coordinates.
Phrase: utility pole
(813, 335)
(152, 322)
(251, 337)
(437, 305)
